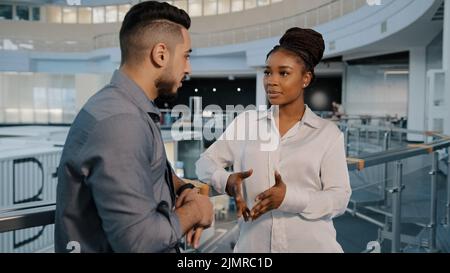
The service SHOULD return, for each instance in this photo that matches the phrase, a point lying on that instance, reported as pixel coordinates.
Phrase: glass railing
(329, 11)
(75, 13)
(397, 186)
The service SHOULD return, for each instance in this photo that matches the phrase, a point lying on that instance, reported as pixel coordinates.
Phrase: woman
(298, 182)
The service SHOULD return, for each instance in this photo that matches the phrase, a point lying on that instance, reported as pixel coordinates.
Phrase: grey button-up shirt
(112, 176)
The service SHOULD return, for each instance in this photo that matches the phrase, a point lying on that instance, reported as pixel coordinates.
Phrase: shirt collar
(309, 117)
(133, 91)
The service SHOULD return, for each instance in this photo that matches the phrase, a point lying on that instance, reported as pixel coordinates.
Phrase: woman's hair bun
(306, 43)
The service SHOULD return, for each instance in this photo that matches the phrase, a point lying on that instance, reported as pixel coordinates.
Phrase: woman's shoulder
(328, 127)
(325, 125)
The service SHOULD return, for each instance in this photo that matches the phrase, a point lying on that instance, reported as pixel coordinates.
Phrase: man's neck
(145, 81)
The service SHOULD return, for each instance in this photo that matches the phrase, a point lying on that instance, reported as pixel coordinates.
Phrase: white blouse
(311, 160)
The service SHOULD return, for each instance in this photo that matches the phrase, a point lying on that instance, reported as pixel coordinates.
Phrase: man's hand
(234, 188)
(193, 235)
(204, 209)
(269, 199)
(186, 196)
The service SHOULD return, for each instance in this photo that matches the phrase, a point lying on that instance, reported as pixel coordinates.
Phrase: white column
(416, 92)
(260, 92)
(446, 64)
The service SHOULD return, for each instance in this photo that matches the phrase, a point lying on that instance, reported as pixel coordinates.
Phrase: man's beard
(165, 87)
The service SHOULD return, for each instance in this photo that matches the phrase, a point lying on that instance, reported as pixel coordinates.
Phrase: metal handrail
(31, 216)
(396, 154)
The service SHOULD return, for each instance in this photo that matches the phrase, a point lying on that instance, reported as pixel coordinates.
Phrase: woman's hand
(234, 188)
(269, 199)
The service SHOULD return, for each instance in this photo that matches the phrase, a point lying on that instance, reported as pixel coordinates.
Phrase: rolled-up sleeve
(117, 168)
(210, 168)
(332, 200)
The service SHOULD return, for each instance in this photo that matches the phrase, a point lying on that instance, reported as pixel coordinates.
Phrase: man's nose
(188, 69)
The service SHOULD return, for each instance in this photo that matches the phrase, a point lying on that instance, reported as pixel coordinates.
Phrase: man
(115, 189)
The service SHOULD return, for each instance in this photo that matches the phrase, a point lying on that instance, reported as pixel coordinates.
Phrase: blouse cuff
(219, 180)
(295, 200)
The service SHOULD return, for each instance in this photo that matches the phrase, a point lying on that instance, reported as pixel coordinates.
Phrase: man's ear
(160, 55)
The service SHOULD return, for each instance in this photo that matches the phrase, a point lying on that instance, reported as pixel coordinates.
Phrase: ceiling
(74, 2)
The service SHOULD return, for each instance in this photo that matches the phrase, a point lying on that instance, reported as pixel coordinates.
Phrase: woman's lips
(273, 94)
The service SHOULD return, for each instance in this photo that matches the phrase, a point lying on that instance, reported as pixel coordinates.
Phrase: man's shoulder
(108, 108)
(108, 102)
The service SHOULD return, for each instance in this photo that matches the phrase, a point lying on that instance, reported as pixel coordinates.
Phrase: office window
(263, 3)
(123, 9)
(210, 7)
(181, 4)
(68, 105)
(36, 13)
(40, 105)
(54, 14)
(98, 15)
(69, 15)
(84, 15)
(22, 13)
(6, 12)
(237, 5)
(195, 8)
(54, 100)
(223, 6)
(111, 14)
(250, 4)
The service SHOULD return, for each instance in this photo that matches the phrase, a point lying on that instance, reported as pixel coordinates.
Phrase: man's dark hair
(148, 23)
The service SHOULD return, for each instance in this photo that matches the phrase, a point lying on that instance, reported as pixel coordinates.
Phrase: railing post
(378, 136)
(358, 131)
(346, 139)
(447, 218)
(396, 192)
(386, 144)
(367, 135)
(433, 206)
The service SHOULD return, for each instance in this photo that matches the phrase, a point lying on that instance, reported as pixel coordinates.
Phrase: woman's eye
(266, 73)
(284, 74)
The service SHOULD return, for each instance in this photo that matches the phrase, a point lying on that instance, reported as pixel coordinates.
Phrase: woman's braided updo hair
(307, 44)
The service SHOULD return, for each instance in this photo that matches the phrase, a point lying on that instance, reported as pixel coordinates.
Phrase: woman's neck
(292, 111)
